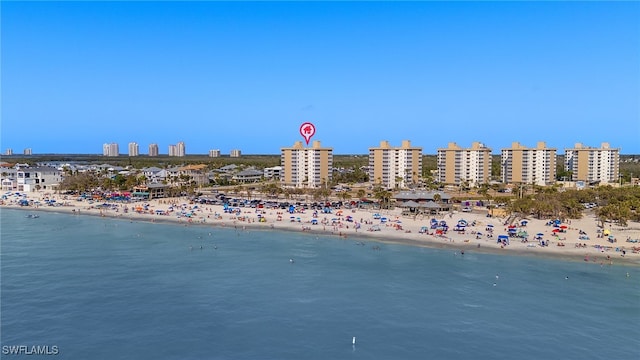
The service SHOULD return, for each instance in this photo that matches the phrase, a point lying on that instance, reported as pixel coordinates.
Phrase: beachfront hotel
(134, 150)
(306, 166)
(110, 149)
(457, 165)
(235, 153)
(393, 167)
(593, 165)
(522, 165)
(177, 150)
(153, 149)
(214, 153)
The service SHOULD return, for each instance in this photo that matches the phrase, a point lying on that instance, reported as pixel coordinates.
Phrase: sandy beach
(575, 240)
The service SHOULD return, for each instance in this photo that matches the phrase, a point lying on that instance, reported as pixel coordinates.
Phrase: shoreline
(402, 231)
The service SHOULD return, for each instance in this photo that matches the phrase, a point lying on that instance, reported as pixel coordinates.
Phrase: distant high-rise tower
(110, 149)
(593, 164)
(235, 153)
(306, 167)
(153, 149)
(457, 165)
(395, 167)
(177, 150)
(27, 151)
(134, 149)
(182, 151)
(214, 153)
(528, 166)
(8, 151)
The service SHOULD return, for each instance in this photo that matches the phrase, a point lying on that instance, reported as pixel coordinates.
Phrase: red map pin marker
(307, 130)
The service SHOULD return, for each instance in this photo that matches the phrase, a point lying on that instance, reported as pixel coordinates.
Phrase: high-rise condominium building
(306, 167)
(395, 167)
(28, 151)
(182, 150)
(471, 166)
(235, 153)
(8, 151)
(593, 164)
(177, 150)
(134, 149)
(528, 165)
(214, 153)
(110, 149)
(153, 149)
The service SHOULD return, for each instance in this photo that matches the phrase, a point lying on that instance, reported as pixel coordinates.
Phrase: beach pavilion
(418, 202)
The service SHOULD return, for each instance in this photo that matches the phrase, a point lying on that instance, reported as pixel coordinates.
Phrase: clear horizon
(246, 75)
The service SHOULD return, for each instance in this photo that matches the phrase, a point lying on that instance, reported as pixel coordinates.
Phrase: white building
(153, 149)
(273, 172)
(40, 177)
(523, 165)
(306, 166)
(134, 149)
(457, 165)
(177, 150)
(393, 167)
(110, 149)
(593, 165)
(214, 153)
(235, 153)
(28, 151)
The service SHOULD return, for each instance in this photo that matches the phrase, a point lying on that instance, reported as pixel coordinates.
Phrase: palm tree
(398, 181)
(383, 197)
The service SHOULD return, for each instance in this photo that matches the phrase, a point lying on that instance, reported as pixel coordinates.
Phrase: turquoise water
(99, 288)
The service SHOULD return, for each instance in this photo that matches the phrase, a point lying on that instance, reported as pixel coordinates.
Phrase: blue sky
(245, 75)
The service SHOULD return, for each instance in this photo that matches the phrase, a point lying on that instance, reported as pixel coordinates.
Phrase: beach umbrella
(563, 227)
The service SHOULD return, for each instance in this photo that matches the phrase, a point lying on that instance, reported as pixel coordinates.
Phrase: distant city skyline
(245, 75)
(112, 149)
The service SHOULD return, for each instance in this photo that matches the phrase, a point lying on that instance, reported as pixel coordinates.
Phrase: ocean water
(100, 288)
